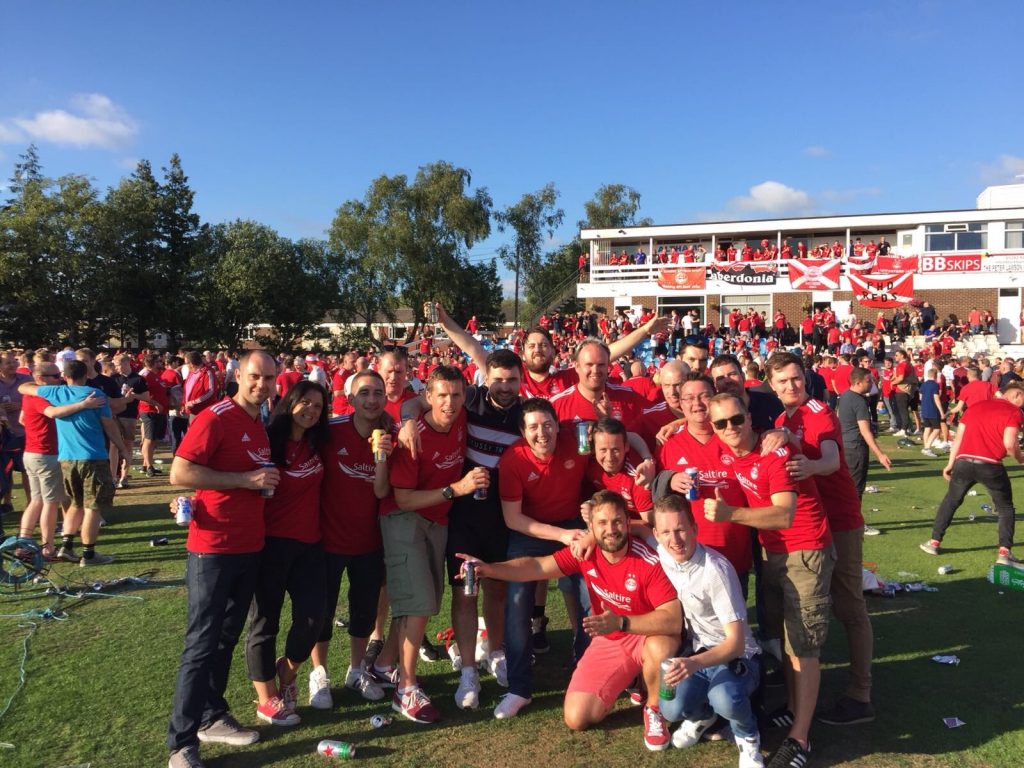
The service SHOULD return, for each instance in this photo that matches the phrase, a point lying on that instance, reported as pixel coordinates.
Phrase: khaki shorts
(88, 484)
(414, 558)
(45, 481)
(796, 598)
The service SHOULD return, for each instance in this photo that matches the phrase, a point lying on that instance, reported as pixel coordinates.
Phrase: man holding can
(222, 457)
(636, 622)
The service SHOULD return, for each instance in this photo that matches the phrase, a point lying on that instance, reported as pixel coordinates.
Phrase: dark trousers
(901, 411)
(220, 589)
(857, 462)
(995, 480)
(292, 567)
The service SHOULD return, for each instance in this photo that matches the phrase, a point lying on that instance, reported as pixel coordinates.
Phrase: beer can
(694, 493)
(183, 510)
(378, 454)
(267, 493)
(125, 389)
(666, 692)
(340, 750)
(380, 721)
(469, 582)
(430, 310)
(480, 494)
(583, 446)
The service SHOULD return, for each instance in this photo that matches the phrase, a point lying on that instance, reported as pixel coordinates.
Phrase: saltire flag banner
(895, 265)
(682, 278)
(863, 263)
(882, 291)
(814, 274)
(746, 273)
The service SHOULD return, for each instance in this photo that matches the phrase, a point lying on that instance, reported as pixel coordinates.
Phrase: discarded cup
(945, 569)
(951, 660)
(953, 722)
(972, 492)
(870, 489)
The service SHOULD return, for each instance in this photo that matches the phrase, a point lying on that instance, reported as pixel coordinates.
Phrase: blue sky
(282, 111)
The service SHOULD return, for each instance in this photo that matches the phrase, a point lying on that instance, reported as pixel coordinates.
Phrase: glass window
(744, 302)
(1015, 234)
(936, 238)
(681, 304)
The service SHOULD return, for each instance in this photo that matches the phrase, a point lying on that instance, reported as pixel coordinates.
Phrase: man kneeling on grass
(636, 622)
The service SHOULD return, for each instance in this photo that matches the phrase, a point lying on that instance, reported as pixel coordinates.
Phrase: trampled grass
(99, 684)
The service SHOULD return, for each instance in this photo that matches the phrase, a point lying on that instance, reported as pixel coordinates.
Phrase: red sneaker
(415, 705)
(276, 712)
(656, 736)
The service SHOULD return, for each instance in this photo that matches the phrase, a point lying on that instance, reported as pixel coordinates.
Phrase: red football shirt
(761, 476)
(631, 587)
(623, 404)
(650, 421)
(287, 380)
(976, 391)
(813, 423)
(559, 381)
(841, 379)
(984, 424)
(157, 391)
(348, 505)
(440, 463)
(394, 407)
(638, 500)
(227, 439)
(40, 431)
(644, 387)
(293, 512)
(549, 488)
(732, 540)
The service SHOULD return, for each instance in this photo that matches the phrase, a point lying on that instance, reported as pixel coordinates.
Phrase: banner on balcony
(882, 291)
(746, 274)
(814, 274)
(895, 265)
(682, 278)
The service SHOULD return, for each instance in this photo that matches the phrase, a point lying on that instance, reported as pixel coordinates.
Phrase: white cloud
(816, 151)
(1004, 171)
(95, 121)
(772, 197)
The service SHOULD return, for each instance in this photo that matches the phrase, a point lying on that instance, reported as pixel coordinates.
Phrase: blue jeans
(220, 589)
(725, 689)
(519, 605)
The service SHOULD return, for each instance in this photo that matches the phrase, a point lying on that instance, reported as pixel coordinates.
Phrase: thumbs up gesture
(716, 510)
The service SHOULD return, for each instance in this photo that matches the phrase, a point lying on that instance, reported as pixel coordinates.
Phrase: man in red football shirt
(394, 369)
(616, 467)
(294, 371)
(593, 397)
(224, 456)
(816, 435)
(798, 568)
(153, 412)
(414, 527)
(636, 622)
(988, 433)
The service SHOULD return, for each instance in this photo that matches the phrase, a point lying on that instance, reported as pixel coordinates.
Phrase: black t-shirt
(138, 385)
(765, 407)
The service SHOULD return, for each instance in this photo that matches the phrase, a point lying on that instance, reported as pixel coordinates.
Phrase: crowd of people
(659, 496)
(860, 254)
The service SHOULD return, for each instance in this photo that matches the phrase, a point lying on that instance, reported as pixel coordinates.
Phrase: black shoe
(157, 470)
(780, 718)
(540, 637)
(847, 711)
(373, 649)
(428, 652)
(791, 755)
(150, 472)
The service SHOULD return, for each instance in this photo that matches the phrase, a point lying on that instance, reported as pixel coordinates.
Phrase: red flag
(882, 291)
(682, 278)
(814, 274)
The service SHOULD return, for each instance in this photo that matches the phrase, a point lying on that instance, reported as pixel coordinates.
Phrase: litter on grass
(953, 661)
(953, 722)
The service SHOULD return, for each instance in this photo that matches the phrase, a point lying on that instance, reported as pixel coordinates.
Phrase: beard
(612, 542)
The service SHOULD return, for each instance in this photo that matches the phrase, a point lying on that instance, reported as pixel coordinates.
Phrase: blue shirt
(929, 410)
(80, 436)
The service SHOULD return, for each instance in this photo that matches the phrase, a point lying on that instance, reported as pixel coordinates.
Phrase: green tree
(613, 206)
(181, 263)
(534, 214)
(477, 291)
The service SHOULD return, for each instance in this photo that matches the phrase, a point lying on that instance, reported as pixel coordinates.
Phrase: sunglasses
(737, 419)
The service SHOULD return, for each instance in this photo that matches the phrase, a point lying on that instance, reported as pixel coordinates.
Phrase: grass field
(99, 684)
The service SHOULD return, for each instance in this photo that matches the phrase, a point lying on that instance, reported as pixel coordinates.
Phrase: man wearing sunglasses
(798, 568)
(816, 438)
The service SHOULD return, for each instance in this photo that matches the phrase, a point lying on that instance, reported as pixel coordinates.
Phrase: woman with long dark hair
(292, 560)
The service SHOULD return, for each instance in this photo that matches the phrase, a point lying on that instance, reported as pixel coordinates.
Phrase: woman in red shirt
(292, 560)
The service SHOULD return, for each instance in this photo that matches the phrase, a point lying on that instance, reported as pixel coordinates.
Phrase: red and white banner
(864, 262)
(814, 274)
(882, 291)
(895, 265)
(682, 278)
(968, 262)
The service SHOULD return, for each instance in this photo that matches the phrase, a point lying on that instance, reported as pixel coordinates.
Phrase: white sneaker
(900, 433)
(690, 731)
(496, 665)
(358, 680)
(928, 452)
(455, 656)
(467, 695)
(750, 752)
(510, 705)
(483, 648)
(320, 689)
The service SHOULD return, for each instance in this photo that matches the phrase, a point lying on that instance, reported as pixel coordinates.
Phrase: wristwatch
(448, 492)
(624, 624)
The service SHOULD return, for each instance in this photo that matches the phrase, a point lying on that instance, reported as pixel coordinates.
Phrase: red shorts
(608, 666)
